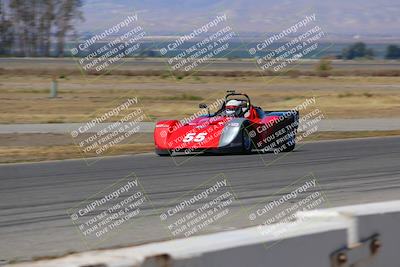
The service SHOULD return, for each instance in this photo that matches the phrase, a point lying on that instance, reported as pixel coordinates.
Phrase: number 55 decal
(193, 137)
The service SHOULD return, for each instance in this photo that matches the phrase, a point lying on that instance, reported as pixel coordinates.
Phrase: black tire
(290, 145)
(246, 142)
(163, 153)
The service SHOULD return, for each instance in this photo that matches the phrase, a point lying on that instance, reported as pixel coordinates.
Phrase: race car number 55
(193, 137)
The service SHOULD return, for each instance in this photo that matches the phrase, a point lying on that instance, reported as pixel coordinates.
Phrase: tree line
(360, 50)
(35, 27)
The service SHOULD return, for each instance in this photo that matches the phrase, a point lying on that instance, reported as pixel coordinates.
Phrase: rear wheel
(246, 142)
(289, 147)
(290, 144)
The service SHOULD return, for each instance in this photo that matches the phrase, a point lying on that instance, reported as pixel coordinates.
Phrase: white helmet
(232, 106)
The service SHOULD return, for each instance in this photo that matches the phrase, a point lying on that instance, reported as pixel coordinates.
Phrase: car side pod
(232, 137)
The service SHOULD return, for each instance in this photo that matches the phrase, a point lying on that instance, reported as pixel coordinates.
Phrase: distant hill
(361, 18)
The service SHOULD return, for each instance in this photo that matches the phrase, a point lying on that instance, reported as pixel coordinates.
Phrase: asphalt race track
(34, 198)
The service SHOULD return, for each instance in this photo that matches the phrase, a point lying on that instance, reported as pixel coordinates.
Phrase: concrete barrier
(360, 235)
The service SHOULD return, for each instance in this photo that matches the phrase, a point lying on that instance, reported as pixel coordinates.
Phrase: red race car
(237, 127)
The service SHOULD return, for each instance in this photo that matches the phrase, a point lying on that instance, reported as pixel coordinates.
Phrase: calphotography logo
(192, 135)
(103, 50)
(102, 215)
(281, 50)
(118, 126)
(276, 216)
(195, 49)
(207, 205)
(285, 130)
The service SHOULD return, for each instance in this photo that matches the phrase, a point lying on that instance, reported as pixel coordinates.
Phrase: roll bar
(233, 93)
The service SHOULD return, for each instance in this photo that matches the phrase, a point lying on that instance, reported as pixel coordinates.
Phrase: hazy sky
(336, 16)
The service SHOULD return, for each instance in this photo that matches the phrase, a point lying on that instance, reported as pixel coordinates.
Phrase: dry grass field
(26, 99)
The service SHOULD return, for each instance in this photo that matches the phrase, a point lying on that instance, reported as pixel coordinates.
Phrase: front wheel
(246, 142)
(163, 153)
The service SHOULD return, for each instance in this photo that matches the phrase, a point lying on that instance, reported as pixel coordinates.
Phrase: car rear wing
(287, 113)
(281, 111)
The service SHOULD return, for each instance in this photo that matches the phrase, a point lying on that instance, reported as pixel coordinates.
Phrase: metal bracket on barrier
(162, 260)
(357, 254)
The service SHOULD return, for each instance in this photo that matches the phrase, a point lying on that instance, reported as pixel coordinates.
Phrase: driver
(235, 107)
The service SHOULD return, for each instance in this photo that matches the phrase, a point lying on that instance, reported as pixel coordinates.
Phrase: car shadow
(214, 154)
